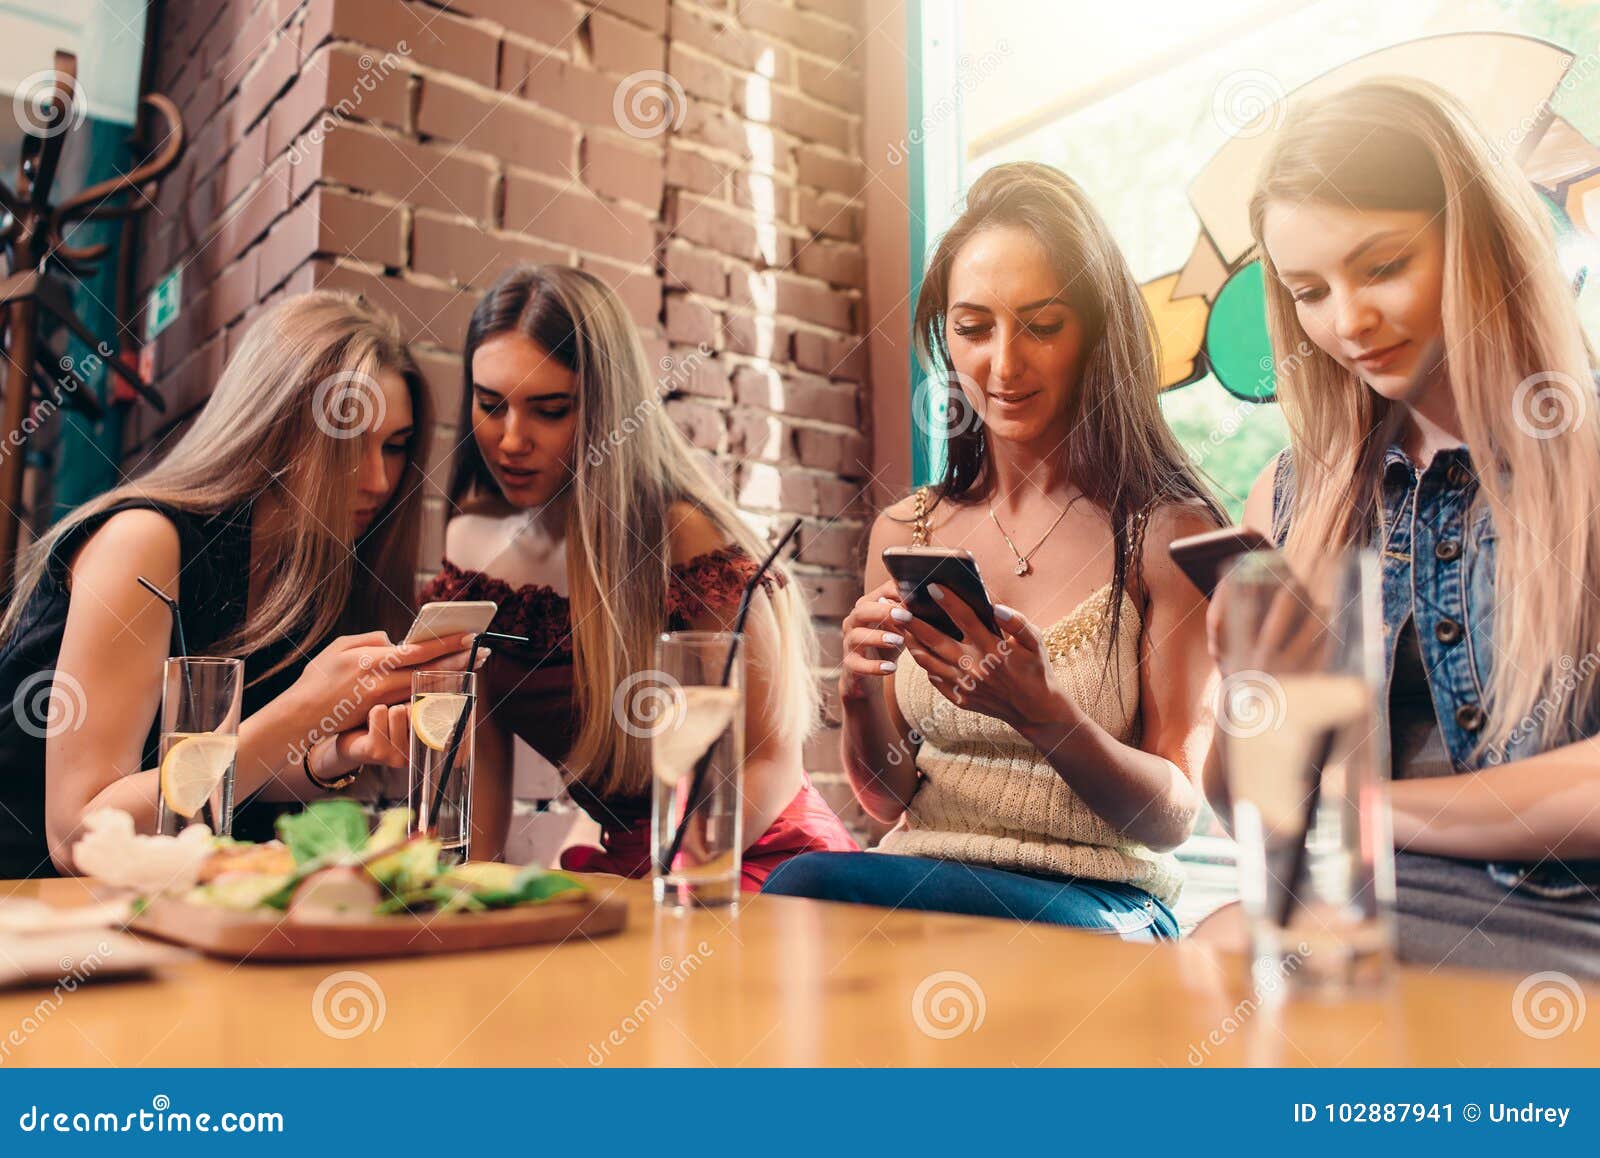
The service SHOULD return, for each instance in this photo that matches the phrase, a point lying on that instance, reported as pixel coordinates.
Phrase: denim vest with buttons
(1438, 567)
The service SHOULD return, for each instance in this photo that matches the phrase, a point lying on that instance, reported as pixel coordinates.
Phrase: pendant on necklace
(1023, 567)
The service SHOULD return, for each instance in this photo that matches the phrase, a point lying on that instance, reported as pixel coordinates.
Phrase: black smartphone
(1204, 558)
(952, 568)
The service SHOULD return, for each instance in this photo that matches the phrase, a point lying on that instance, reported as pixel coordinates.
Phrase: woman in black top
(284, 517)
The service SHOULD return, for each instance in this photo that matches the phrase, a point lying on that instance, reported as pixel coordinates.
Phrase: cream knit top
(989, 797)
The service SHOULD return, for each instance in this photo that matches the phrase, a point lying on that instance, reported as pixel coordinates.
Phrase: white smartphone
(442, 620)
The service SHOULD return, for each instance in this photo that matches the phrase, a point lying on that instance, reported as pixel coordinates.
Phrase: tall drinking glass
(696, 732)
(443, 712)
(201, 698)
(1306, 757)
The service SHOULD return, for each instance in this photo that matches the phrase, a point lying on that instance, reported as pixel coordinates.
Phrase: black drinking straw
(1297, 865)
(459, 731)
(697, 781)
(172, 605)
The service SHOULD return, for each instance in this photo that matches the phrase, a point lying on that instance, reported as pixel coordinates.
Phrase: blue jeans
(947, 886)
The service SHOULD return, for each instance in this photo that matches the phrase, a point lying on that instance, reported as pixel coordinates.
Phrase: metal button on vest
(1447, 631)
(1458, 475)
(1470, 717)
(1447, 549)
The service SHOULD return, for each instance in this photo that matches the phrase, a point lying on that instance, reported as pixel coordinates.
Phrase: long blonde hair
(1510, 327)
(285, 419)
(630, 465)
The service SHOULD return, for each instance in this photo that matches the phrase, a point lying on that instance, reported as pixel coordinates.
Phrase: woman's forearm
(770, 784)
(1138, 793)
(1546, 805)
(881, 766)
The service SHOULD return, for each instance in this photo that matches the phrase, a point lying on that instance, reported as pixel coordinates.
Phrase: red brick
(275, 70)
(701, 76)
(831, 596)
(759, 336)
(508, 129)
(690, 321)
(832, 172)
(832, 544)
(618, 46)
(651, 13)
(550, 21)
(624, 172)
(843, 453)
(425, 313)
(843, 265)
(235, 290)
(762, 437)
(430, 177)
(465, 254)
(835, 357)
(443, 374)
(822, 37)
(830, 81)
(798, 395)
(360, 227)
(702, 425)
(830, 216)
(293, 240)
(693, 269)
(246, 163)
(730, 42)
(363, 92)
(573, 217)
(430, 37)
(714, 224)
(299, 106)
(803, 118)
(249, 217)
(687, 169)
(640, 291)
(781, 293)
(844, 11)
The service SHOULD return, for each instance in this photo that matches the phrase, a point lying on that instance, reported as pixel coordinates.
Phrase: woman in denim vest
(1388, 228)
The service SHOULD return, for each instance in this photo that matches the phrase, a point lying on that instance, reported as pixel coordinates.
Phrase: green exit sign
(162, 305)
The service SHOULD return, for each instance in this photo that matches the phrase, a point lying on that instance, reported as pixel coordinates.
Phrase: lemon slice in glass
(434, 717)
(192, 769)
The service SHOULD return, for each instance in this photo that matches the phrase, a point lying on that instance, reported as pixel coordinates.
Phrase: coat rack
(31, 233)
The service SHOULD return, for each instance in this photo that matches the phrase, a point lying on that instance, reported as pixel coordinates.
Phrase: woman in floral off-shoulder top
(582, 511)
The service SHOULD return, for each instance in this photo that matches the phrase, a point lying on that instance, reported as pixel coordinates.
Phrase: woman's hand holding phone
(874, 636)
(1006, 676)
(363, 671)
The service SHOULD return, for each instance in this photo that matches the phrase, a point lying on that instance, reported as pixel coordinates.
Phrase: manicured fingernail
(887, 666)
(1002, 612)
(884, 599)
(900, 615)
(892, 639)
(935, 590)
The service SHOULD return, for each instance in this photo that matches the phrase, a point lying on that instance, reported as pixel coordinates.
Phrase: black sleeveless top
(213, 580)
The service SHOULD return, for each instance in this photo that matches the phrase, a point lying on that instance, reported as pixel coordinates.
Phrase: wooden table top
(785, 982)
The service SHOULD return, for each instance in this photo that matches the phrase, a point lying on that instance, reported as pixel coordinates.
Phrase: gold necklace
(1023, 566)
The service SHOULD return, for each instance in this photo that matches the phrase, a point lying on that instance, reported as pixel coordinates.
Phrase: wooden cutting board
(254, 936)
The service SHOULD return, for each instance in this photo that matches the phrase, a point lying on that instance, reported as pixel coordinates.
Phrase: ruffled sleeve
(533, 610)
(713, 582)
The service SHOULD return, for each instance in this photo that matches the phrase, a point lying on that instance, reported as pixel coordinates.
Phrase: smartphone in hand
(952, 568)
(444, 619)
(1204, 558)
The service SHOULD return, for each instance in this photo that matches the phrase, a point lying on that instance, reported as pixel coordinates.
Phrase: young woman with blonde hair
(1042, 773)
(585, 514)
(1389, 227)
(285, 515)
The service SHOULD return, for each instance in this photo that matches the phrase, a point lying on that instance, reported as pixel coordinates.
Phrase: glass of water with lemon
(442, 716)
(201, 699)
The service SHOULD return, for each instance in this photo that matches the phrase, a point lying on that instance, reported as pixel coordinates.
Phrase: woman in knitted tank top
(1041, 774)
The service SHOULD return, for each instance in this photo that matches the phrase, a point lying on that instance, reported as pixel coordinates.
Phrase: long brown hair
(280, 422)
(1513, 345)
(1120, 452)
(631, 464)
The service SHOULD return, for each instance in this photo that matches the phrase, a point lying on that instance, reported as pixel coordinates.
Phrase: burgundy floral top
(531, 689)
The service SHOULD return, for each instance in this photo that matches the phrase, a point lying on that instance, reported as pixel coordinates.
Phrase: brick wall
(702, 158)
